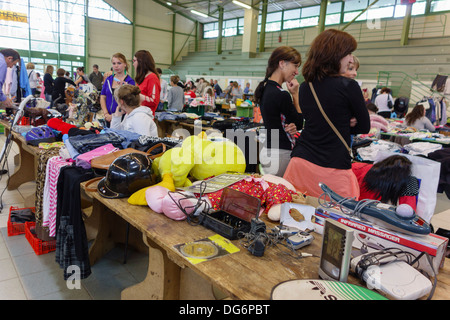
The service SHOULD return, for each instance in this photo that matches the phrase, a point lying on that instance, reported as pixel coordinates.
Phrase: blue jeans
(48, 97)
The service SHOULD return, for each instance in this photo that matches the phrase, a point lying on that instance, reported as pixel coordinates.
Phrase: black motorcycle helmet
(126, 175)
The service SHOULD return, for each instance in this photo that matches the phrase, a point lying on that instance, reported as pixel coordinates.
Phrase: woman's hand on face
(293, 86)
(119, 110)
(108, 117)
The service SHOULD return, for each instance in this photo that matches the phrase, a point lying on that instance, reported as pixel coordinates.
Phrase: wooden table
(238, 275)
(167, 127)
(28, 159)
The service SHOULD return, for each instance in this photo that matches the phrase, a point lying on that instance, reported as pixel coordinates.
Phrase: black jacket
(278, 109)
(341, 98)
(48, 83)
(59, 88)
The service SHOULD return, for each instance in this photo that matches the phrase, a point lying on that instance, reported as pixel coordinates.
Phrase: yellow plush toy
(173, 167)
(198, 157)
(218, 158)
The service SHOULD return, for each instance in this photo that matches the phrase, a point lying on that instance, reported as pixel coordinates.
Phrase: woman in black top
(60, 86)
(280, 111)
(319, 155)
(48, 84)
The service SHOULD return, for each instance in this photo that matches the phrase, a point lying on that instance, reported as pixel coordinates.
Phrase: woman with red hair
(319, 154)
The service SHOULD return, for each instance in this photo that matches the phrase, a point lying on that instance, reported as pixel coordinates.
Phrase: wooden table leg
(162, 281)
(103, 241)
(25, 172)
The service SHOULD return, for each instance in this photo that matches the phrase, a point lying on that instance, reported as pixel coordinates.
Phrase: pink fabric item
(170, 208)
(154, 196)
(84, 159)
(50, 195)
(379, 122)
(305, 177)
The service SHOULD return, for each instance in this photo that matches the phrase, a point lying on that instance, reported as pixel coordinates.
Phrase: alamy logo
(74, 280)
(223, 153)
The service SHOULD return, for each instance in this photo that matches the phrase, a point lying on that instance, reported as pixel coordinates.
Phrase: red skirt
(305, 177)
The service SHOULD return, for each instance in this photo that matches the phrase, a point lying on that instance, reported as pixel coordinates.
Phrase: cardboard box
(373, 238)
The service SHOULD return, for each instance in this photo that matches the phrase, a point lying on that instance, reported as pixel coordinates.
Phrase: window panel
(209, 26)
(45, 4)
(14, 30)
(76, 7)
(42, 35)
(72, 49)
(418, 8)
(309, 16)
(37, 60)
(274, 16)
(292, 14)
(16, 43)
(51, 61)
(355, 5)
(308, 22)
(349, 16)
(101, 10)
(211, 34)
(333, 19)
(44, 46)
(291, 24)
(310, 11)
(14, 3)
(383, 3)
(400, 11)
(228, 32)
(384, 12)
(12, 6)
(72, 39)
(334, 7)
(76, 64)
(273, 26)
(440, 5)
(230, 23)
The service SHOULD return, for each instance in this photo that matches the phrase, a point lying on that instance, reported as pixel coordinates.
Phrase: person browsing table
(279, 109)
(138, 119)
(8, 58)
(320, 156)
(118, 77)
(147, 78)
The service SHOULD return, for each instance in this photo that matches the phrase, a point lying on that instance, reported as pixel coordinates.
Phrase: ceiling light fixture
(199, 13)
(244, 5)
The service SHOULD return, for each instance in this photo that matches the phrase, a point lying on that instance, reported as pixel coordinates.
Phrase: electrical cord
(389, 255)
(361, 204)
(198, 213)
(273, 238)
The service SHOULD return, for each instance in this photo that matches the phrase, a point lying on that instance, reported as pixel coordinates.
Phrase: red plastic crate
(15, 228)
(39, 246)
